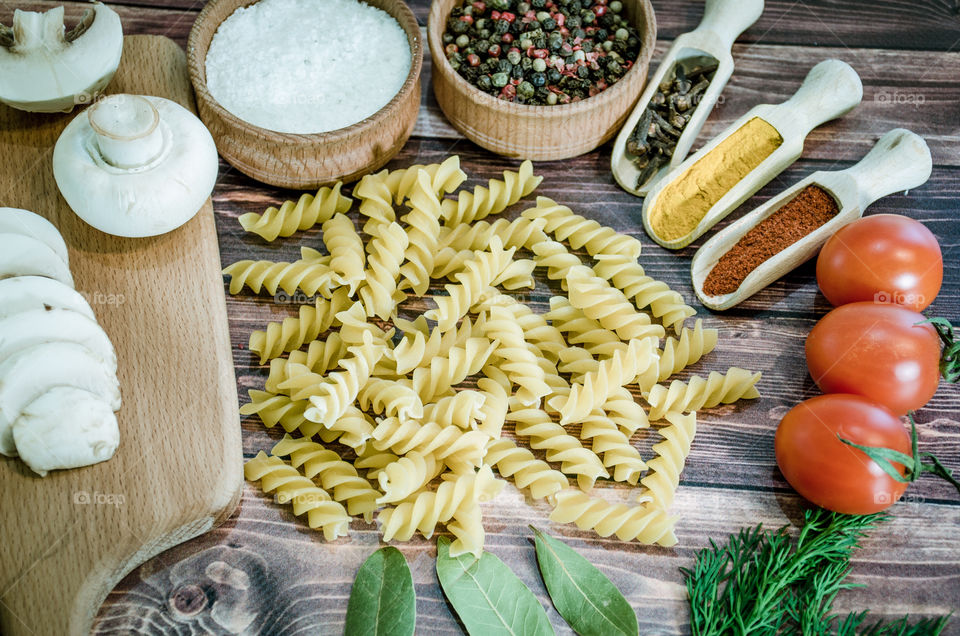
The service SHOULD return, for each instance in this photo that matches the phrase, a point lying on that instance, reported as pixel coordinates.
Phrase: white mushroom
(133, 165)
(25, 256)
(30, 328)
(29, 293)
(28, 374)
(17, 221)
(44, 69)
(65, 428)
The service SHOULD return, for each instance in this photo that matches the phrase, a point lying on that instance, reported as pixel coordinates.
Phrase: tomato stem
(950, 359)
(915, 464)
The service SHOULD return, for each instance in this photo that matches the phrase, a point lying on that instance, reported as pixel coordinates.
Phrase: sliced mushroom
(17, 221)
(30, 328)
(25, 256)
(65, 427)
(28, 374)
(44, 69)
(29, 293)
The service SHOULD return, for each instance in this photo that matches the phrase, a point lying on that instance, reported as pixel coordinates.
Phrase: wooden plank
(177, 471)
(299, 583)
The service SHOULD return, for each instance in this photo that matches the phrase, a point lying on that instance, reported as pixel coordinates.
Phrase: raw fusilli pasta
(373, 461)
(423, 234)
(320, 357)
(622, 459)
(699, 393)
(407, 475)
(463, 410)
(276, 476)
(581, 232)
(528, 472)
(467, 530)
(519, 233)
(662, 481)
(443, 373)
(301, 215)
(417, 348)
(517, 359)
(608, 306)
(627, 275)
(460, 450)
(558, 261)
(390, 398)
(333, 395)
(309, 277)
(494, 199)
(347, 257)
(380, 294)
(642, 523)
(293, 333)
(678, 354)
(546, 338)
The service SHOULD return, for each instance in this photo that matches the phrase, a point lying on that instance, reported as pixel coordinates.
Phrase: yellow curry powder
(682, 205)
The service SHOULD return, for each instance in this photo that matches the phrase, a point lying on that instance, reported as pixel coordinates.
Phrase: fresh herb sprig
(762, 582)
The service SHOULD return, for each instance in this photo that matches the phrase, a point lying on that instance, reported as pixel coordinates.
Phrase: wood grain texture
(731, 480)
(69, 537)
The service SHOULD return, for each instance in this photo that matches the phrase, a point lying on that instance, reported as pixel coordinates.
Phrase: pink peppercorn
(512, 49)
(540, 53)
(473, 59)
(530, 14)
(600, 10)
(467, 18)
(479, 7)
(494, 15)
(494, 50)
(507, 38)
(560, 19)
(509, 17)
(450, 49)
(508, 92)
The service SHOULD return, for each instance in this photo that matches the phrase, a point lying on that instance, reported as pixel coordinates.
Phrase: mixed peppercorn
(541, 51)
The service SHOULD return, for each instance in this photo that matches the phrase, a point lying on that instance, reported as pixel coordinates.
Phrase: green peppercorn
(523, 7)
(555, 41)
(616, 6)
(539, 65)
(484, 83)
(460, 27)
(542, 15)
(526, 43)
(463, 41)
(500, 79)
(538, 4)
(552, 99)
(504, 66)
(538, 79)
(517, 72)
(588, 17)
(622, 34)
(579, 56)
(549, 24)
(525, 90)
(526, 63)
(583, 72)
(514, 57)
(608, 46)
(553, 76)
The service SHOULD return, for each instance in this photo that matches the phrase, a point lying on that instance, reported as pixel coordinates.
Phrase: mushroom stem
(34, 31)
(127, 130)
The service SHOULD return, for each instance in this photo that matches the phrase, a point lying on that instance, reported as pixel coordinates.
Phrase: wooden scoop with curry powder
(708, 185)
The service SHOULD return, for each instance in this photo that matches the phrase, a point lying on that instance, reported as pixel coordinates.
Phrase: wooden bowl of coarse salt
(298, 93)
(538, 132)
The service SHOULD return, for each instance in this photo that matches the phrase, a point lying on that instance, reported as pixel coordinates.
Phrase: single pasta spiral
(347, 258)
(353, 428)
(293, 333)
(528, 472)
(613, 446)
(301, 215)
(276, 476)
(444, 177)
(405, 476)
(517, 274)
(518, 233)
(337, 391)
(309, 277)
(380, 294)
(627, 275)
(547, 339)
(477, 276)
(558, 261)
(581, 232)
(430, 508)
(424, 232)
(518, 360)
(417, 348)
(624, 410)
(699, 393)
(336, 476)
(320, 357)
(617, 371)
(467, 530)
(560, 446)
(449, 262)
(494, 409)
(443, 373)
(458, 449)
(581, 330)
(354, 327)
(678, 354)
(275, 409)
(390, 398)
(642, 523)
(662, 481)
(376, 202)
(495, 198)
(463, 410)
(608, 306)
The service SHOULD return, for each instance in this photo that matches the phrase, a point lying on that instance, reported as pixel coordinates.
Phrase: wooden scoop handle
(831, 89)
(900, 160)
(727, 19)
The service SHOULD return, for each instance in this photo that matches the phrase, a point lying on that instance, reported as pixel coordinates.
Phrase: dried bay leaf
(382, 600)
(585, 598)
(488, 597)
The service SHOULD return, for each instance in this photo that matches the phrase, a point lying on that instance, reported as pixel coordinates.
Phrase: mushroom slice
(17, 221)
(30, 328)
(24, 256)
(65, 427)
(44, 69)
(28, 374)
(28, 293)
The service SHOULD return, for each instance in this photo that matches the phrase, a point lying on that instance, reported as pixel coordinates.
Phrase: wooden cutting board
(67, 539)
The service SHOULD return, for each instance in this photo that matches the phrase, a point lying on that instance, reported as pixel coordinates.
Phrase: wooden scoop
(723, 21)
(830, 90)
(899, 161)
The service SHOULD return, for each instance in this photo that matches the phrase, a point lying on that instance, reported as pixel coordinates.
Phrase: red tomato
(876, 350)
(884, 257)
(828, 472)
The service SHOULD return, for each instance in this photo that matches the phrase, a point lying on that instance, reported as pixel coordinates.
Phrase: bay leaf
(585, 598)
(488, 597)
(382, 600)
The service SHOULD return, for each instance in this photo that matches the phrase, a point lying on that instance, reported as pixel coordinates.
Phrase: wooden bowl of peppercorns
(540, 79)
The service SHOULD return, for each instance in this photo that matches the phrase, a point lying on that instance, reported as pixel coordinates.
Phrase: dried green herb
(764, 583)
(487, 596)
(382, 600)
(585, 598)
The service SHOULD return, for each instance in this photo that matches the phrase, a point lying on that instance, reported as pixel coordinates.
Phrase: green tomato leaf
(488, 597)
(382, 600)
(585, 598)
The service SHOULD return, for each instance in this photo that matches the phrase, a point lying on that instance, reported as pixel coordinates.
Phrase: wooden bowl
(538, 132)
(306, 161)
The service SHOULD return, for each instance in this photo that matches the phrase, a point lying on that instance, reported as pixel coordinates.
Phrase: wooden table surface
(906, 55)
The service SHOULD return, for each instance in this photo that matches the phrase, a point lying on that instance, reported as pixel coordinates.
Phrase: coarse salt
(307, 66)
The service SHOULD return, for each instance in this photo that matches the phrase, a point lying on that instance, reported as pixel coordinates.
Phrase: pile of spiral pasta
(407, 419)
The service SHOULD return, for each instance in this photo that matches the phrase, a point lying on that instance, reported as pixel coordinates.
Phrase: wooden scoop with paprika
(790, 228)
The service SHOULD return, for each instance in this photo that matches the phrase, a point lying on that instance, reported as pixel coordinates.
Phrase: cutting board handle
(831, 89)
(900, 160)
(727, 19)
